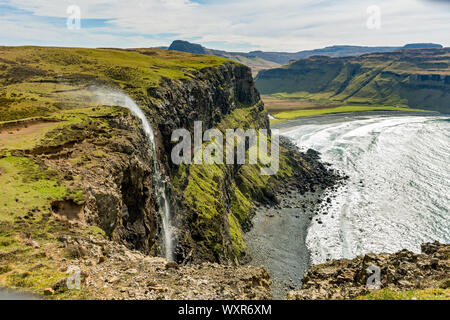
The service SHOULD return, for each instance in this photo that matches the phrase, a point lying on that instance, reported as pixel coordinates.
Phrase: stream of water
(113, 98)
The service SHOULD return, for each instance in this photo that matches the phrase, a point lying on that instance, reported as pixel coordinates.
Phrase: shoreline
(344, 116)
(277, 240)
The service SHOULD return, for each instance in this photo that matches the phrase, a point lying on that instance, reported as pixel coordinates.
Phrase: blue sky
(237, 25)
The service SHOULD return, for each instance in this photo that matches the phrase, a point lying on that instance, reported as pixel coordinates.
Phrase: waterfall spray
(114, 98)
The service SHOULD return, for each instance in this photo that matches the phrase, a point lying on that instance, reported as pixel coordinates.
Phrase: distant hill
(413, 77)
(185, 46)
(336, 51)
(423, 46)
(254, 62)
(333, 51)
(260, 60)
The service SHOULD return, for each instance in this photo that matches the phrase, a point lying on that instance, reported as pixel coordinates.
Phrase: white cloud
(283, 25)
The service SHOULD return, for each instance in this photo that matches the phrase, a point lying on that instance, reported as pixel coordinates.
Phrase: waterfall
(113, 98)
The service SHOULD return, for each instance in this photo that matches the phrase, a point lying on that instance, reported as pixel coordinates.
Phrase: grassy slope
(428, 294)
(28, 232)
(342, 109)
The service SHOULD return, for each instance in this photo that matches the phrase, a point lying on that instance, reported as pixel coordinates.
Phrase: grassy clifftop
(414, 78)
(37, 81)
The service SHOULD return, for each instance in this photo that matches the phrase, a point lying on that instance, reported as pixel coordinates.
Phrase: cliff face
(75, 168)
(209, 96)
(415, 78)
(217, 96)
(100, 157)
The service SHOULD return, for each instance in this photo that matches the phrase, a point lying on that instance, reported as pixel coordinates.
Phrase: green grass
(30, 269)
(38, 81)
(62, 127)
(26, 186)
(314, 112)
(428, 294)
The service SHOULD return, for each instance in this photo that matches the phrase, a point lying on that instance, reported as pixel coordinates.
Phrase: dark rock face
(404, 270)
(211, 95)
(185, 46)
(118, 188)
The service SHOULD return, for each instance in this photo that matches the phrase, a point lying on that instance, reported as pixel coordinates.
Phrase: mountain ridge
(285, 57)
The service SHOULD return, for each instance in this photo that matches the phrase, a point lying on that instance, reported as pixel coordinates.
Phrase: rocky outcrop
(185, 46)
(113, 170)
(404, 270)
(109, 271)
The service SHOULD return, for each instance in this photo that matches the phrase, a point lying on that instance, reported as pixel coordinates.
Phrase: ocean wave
(397, 196)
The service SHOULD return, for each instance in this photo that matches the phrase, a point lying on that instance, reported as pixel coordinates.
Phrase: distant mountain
(336, 51)
(254, 62)
(281, 58)
(333, 51)
(423, 46)
(185, 46)
(413, 77)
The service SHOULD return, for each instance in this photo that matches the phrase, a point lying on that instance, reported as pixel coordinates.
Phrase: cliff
(78, 174)
(412, 77)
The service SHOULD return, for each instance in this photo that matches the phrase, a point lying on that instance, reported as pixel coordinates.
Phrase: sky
(233, 25)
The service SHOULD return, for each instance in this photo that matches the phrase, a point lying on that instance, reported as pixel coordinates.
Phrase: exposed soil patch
(17, 132)
(24, 127)
(68, 210)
